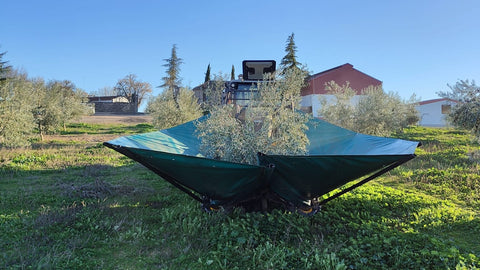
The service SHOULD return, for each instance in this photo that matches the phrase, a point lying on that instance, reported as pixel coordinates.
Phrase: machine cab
(239, 92)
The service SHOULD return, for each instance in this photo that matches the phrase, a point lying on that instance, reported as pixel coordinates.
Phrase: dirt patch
(115, 119)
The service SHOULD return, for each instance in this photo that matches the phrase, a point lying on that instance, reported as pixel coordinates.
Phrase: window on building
(446, 109)
(306, 109)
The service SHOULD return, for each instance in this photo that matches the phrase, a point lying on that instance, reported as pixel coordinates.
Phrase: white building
(433, 112)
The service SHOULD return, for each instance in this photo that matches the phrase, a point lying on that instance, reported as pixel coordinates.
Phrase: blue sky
(412, 46)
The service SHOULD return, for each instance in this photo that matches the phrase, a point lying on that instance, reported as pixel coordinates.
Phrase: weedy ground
(71, 203)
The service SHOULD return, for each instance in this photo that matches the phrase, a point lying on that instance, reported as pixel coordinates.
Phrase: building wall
(115, 107)
(431, 114)
(313, 102)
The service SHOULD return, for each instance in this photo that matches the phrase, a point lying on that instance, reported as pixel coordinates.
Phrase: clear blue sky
(413, 46)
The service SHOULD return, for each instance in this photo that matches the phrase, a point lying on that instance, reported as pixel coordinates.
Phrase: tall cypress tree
(290, 59)
(232, 74)
(207, 74)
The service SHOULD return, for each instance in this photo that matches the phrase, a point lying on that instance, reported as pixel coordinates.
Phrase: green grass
(82, 128)
(83, 206)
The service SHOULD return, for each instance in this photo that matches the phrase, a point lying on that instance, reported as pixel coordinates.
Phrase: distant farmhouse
(113, 105)
(433, 112)
(340, 75)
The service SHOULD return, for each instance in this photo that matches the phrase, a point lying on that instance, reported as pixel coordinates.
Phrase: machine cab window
(239, 92)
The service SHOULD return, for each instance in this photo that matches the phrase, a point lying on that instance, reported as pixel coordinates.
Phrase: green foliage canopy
(271, 124)
(56, 103)
(4, 68)
(175, 105)
(290, 59)
(172, 80)
(207, 74)
(16, 103)
(31, 105)
(374, 112)
(168, 112)
(214, 92)
(466, 114)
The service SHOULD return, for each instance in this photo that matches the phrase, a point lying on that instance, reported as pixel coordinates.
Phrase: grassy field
(71, 203)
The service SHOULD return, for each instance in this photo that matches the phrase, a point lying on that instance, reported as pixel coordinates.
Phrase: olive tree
(271, 124)
(175, 105)
(45, 111)
(466, 114)
(214, 92)
(71, 101)
(55, 103)
(383, 113)
(168, 112)
(340, 111)
(375, 112)
(16, 119)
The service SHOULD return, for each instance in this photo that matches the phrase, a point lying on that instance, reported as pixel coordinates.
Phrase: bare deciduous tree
(131, 88)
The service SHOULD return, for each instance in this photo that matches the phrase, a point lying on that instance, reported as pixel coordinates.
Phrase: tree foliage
(4, 68)
(45, 111)
(232, 73)
(56, 103)
(172, 80)
(375, 112)
(214, 92)
(71, 101)
(133, 89)
(289, 61)
(175, 105)
(168, 112)
(207, 74)
(341, 110)
(271, 124)
(16, 103)
(30, 105)
(466, 114)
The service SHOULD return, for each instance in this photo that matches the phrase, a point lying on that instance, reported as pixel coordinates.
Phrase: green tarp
(335, 157)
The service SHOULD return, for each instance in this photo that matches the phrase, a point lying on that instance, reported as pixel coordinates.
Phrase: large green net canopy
(335, 157)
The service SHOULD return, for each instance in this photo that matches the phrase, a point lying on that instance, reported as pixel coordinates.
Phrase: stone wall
(115, 107)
